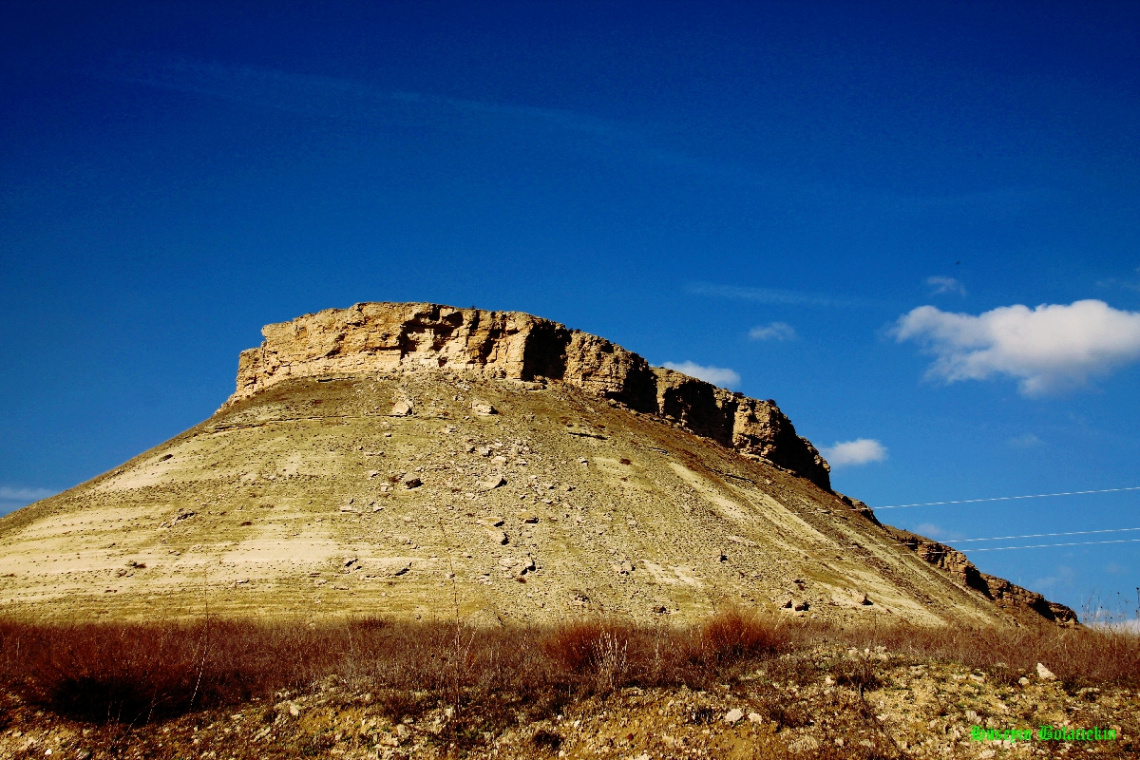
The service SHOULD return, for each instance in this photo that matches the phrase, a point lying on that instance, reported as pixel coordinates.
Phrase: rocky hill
(424, 462)
(377, 339)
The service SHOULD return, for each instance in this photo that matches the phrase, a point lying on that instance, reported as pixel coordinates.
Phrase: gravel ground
(826, 702)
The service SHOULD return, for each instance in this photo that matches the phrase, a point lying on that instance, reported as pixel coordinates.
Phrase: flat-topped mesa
(371, 339)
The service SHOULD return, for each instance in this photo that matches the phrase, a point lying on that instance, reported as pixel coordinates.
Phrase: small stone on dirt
(491, 483)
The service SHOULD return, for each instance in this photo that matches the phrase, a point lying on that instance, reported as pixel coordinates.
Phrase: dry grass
(134, 673)
(137, 672)
(1078, 656)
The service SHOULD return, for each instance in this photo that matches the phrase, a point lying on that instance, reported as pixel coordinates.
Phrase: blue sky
(914, 225)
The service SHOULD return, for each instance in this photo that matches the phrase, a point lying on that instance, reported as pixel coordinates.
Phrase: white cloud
(854, 453)
(1049, 349)
(1063, 575)
(773, 331)
(929, 529)
(27, 495)
(721, 376)
(1113, 624)
(770, 295)
(945, 285)
(935, 531)
(1027, 441)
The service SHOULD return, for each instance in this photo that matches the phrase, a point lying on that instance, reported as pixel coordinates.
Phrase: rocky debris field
(825, 701)
(330, 496)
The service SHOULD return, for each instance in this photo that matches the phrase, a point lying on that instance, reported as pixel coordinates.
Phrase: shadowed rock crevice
(375, 339)
(545, 352)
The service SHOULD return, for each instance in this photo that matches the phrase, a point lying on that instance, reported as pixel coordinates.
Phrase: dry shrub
(573, 648)
(1080, 656)
(857, 673)
(135, 672)
(732, 636)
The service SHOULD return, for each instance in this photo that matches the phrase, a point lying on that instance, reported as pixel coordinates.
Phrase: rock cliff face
(1001, 592)
(374, 339)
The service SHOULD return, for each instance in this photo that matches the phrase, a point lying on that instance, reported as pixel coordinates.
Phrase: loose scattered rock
(491, 483)
(483, 408)
(623, 568)
(402, 408)
(925, 714)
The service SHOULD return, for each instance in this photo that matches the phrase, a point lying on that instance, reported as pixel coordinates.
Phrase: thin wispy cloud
(338, 98)
(769, 295)
(855, 453)
(995, 201)
(940, 285)
(1049, 349)
(1063, 575)
(1113, 282)
(929, 530)
(1027, 441)
(719, 376)
(773, 331)
(13, 496)
(325, 96)
(933, 530)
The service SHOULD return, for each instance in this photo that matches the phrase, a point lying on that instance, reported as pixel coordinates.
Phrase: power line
(1042, 546)
(1008, 498)
(1045, 535)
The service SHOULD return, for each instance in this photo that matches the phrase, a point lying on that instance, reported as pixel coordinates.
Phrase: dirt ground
(827, 702)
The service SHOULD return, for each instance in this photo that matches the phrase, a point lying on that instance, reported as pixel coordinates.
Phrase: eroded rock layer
(1003, 593)
(373, 339)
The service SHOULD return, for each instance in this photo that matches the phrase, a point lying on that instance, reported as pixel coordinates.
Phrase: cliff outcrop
(373, 339)
(1001, 592)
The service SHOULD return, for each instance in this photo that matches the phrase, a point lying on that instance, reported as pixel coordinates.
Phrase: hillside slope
(335, 482)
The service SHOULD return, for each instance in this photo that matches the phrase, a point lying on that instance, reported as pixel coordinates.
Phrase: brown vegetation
(135, 673)
(369, 687)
